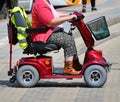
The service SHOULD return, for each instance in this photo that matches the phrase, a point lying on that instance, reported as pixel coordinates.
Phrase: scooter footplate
(64, 74)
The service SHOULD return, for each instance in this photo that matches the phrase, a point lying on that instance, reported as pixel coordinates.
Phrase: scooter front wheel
(95, 76)
(27, 76)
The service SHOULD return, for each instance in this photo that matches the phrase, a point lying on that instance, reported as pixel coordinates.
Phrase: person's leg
(93, 5)
(68, 44)
(84, 5)
(9, 5)
(65, 41)
(76, 64)
(84, 2)
(2, 2)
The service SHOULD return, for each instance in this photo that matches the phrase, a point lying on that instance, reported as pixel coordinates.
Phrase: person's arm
(60, 20)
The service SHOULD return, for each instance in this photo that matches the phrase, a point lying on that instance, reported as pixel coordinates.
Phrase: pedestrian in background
(84, 2)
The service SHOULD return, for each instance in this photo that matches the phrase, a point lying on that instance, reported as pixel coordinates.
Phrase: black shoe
(93, 9)
(84, 9)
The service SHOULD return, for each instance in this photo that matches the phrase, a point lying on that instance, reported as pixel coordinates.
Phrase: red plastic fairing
(85, 33)
(93, 57)
(43, 65)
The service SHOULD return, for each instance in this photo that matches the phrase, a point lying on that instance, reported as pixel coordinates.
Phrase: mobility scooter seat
(42, 48)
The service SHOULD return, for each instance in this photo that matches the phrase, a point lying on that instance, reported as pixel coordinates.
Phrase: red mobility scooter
(29, 70)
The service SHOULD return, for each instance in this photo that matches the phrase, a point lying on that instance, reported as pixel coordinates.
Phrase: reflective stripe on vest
(21, 41)
(21, 31)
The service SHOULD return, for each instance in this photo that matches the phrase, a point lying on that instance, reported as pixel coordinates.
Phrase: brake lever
(72, 27)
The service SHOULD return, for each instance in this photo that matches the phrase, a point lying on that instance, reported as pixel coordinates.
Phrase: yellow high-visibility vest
(21, 29)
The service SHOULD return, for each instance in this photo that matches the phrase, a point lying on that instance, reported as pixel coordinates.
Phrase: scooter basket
(99, 28)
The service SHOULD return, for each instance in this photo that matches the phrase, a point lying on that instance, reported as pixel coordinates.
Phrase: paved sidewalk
(69, 90)
(62, 90)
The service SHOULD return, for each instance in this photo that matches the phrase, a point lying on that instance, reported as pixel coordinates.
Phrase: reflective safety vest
(21, 22)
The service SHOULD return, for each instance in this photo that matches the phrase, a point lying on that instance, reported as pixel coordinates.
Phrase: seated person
(44, 14)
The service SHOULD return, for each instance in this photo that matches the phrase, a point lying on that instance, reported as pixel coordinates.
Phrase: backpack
(18, 23)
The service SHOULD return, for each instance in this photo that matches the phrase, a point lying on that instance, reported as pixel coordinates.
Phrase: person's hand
(72, 17)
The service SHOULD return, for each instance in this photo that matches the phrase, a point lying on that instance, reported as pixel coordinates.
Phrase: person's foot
(68, 69)
(84, 9)
(93, 9)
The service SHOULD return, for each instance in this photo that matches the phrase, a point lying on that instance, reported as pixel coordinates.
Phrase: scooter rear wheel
(95, 76)
(27, 76)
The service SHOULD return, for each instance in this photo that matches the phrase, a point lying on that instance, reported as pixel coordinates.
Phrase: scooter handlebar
(79, 15)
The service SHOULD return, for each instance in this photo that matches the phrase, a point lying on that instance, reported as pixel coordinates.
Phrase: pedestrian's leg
(84, 5)
(93, 5)
(2, 2)
(84, 2)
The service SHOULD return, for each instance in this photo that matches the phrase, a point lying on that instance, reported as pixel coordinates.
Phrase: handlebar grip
(73, 19)
(79, 15)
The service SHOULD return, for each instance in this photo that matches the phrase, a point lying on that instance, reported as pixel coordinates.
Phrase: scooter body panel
(94, 57)
(44, 67)
(42, 64)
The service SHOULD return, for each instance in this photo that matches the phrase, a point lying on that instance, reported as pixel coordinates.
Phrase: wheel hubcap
(27, 76)
(95, 76)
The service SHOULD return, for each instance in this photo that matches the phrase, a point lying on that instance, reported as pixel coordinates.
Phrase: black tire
(27, 76)
(95, 76)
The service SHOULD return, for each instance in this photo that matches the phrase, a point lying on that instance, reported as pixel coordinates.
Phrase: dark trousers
(2, 2)
(8, 3)
(92, 3)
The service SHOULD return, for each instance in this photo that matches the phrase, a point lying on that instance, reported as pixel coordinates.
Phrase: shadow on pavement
(61, 84)
(6, 83)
